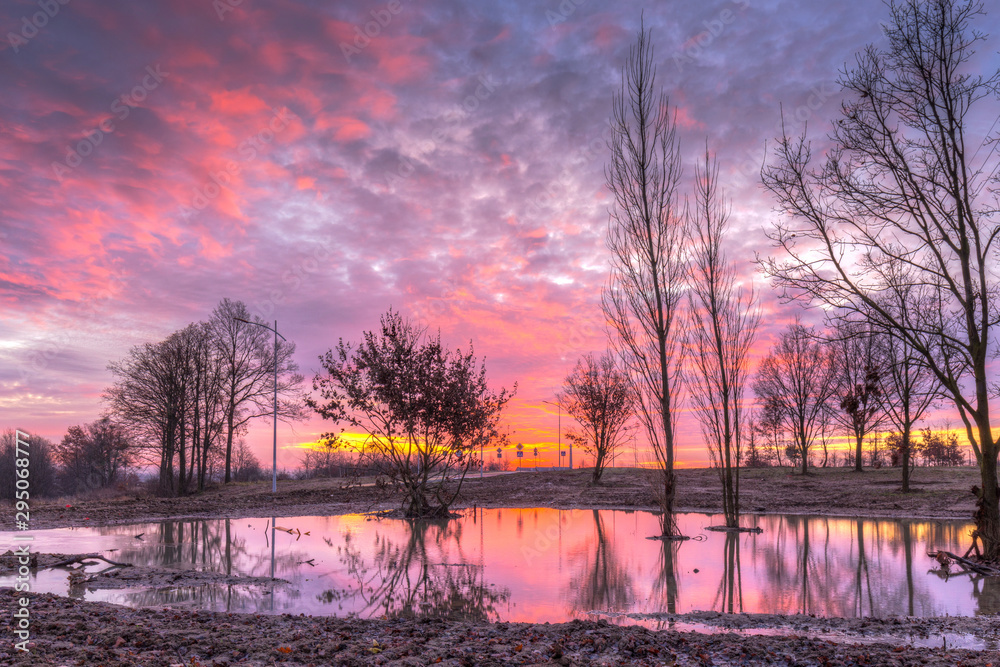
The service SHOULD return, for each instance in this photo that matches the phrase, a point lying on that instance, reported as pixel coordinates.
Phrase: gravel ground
(67, 632)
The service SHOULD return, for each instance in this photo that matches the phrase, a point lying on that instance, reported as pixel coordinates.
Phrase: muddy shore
(66, 631)
(72, 633)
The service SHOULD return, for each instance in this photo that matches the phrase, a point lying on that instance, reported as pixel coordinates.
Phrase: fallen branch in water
(82, 557)
(979, 568)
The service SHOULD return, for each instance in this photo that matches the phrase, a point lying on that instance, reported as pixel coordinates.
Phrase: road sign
(520, 454)
(520, 446)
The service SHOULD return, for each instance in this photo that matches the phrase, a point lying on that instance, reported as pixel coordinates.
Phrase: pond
(539, 565)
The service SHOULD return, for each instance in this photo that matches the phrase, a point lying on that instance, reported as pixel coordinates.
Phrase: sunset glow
(323, 162)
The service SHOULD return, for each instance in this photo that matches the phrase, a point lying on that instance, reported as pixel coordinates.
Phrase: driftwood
(979, 568)
(82, 557)
(738, 529)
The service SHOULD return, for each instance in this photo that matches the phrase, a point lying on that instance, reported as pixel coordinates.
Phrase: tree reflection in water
(825, 566)
(603, 583)
(208, 545)
(408, 580)
(729, 598)
(665, 590)
(873, 585)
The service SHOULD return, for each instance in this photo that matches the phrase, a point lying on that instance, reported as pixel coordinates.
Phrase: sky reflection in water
(543, 565)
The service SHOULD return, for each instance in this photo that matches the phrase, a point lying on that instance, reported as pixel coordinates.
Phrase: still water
(540, 565)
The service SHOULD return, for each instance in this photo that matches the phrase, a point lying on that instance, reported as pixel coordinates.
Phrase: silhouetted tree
(756, 456)
(858, 399)
(899, 217)
(93, 456)
(647, 238)
(598, 395)
(796, 378)
(246, 357)
(245, 464)
(32, 463)
(723, 328)
(424, 409)
(910, 390)
(770, 425)
(175, 398)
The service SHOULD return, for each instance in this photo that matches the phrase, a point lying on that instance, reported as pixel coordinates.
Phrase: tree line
(180, 405)
(188, 398)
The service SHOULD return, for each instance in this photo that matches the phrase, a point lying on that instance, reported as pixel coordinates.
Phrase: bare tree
(147, 399)
(724, 326)
(26, 456)
(246, 353)
(900, 214)
(426, 410)
(175, 397)
(93, 456)
(756, 456)
(770, 424)
(797, 378)
(245, 464)
(910, 390)
(647, 236)
(858, 400)
(598, 395)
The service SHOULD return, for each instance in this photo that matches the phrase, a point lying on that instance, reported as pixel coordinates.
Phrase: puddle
(539, 565)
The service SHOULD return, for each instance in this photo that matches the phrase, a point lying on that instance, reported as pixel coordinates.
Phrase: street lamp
(274, 460)
(559, 436)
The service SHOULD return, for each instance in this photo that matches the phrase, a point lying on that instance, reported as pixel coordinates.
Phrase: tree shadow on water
(409, 579)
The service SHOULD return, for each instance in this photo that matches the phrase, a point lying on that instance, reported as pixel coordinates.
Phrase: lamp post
(559, 436)
(274, 460)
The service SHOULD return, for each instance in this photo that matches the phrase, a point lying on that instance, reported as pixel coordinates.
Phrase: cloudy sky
(323, 161)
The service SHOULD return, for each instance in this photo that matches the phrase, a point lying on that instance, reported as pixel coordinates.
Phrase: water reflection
(541, 565)
(404, 579)
(729, 598)
(603, 580)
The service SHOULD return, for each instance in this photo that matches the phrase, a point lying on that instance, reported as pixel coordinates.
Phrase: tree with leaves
(424, 409)
(598, 395)
(647, 237)
(723, 329)
(901, 216)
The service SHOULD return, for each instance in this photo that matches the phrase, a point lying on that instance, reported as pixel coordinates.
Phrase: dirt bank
(68, 632)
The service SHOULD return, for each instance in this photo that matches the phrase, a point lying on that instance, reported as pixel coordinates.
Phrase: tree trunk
(230, 415)
(858, 460)
(905, 454)
(988, 498)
